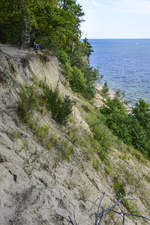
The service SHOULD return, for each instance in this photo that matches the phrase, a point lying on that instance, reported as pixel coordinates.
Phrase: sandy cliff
(37, 185)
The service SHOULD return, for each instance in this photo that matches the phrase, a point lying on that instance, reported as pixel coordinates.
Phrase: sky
(116, 18)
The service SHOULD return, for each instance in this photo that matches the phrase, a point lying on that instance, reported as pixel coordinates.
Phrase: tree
(52, 22)
(87, 47)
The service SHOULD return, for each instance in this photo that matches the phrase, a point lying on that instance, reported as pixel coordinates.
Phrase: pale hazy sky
(116, 18)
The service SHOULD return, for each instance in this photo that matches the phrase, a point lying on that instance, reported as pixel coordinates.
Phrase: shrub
(63, 56)
(105, 90)
(60, 108)
(119, 188)
(117, 118)
(133, 128)
(77, 81)
(28, 102)
(42, 132)
(67, 70)
(103, 136)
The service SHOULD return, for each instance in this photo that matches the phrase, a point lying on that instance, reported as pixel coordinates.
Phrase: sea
(125, 64)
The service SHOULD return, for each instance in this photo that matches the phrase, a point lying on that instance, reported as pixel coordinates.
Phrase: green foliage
(55, 24)
(133, 128)
(10, 23)
(117, 118)
(103, 136)
(42, 132)
(102, 139)
(60, 108)
(29, 101)
(119, 188)
(141, 112)
(77, 81)
(105, 90)
(63, 56)
(47, 21)
(80, 75)
(88, 48)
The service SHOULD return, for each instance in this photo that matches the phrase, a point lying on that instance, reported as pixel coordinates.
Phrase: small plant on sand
(119, 188)
(28, 102)
(105, 90)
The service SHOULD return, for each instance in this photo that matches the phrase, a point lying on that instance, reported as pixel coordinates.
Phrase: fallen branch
(101, 212)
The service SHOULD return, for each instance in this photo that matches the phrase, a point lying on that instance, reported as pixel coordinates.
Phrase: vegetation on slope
(30, 100)
(55, 24)
(132, 127)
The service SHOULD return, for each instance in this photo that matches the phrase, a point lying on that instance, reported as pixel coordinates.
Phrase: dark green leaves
(133, 128)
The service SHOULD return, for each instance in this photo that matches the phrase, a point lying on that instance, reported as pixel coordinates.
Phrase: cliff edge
(51, 171)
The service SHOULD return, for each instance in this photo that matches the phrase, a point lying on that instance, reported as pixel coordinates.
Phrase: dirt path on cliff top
(14, 51)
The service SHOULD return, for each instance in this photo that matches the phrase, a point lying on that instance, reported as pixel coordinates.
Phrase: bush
(63, 56)
(117, 118)
(67, 70)
(78, 81)
(80, 75)
(60, 108)
(105, 90)
(28, 102)
(133, 128)
(102, 135)
(119, 188)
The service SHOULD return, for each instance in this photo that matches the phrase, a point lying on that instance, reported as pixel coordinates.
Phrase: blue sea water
(125, 64)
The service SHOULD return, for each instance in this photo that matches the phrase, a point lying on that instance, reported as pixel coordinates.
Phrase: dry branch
(101, 212)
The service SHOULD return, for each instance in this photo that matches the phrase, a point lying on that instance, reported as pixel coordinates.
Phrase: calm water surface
(125, 65)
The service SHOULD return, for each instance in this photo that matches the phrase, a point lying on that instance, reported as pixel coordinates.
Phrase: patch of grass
(33, 98)
(125, 156)
(130, 206)
(84, 193)
(103, 136)
(86, 108)
(28, 102)
(42, 131)
(119, 188)
(119, 145)
(108, 170)
(96, 164)
(65, 150)
(60, 108)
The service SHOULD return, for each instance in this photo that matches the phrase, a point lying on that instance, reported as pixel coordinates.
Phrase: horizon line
(119, 38)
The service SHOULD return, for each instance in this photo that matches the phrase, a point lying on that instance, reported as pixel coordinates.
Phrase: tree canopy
(55, 23)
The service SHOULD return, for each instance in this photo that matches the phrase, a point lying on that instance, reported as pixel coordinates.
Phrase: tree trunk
(25, 36)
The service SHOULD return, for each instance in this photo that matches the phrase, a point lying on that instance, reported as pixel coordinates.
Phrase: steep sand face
(36, 187)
